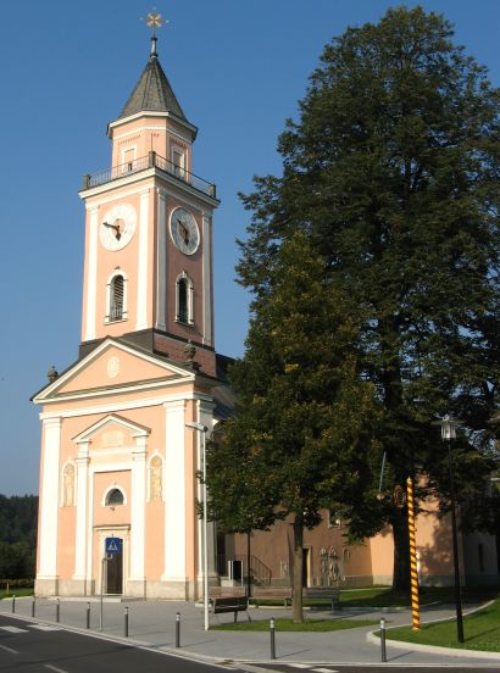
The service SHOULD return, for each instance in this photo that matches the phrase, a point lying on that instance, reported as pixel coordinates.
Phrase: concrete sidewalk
(152, 624)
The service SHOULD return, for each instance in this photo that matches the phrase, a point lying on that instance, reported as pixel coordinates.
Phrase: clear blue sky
(238, 68)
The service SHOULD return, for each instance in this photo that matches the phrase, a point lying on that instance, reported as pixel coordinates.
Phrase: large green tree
(392, 174)
(18, 519)
(300, 439)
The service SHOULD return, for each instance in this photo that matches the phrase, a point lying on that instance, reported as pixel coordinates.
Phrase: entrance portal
(114, 565)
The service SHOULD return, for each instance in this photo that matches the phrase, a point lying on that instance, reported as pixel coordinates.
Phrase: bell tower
(148, 235)
(119, 457)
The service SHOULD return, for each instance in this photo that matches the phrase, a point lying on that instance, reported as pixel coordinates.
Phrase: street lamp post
(202, 429)
(448, 432)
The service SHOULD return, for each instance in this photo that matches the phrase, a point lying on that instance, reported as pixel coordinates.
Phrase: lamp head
(448, 427)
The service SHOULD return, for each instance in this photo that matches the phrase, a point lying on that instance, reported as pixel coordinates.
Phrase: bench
(331, 594)
(231, 604)
(274, 595)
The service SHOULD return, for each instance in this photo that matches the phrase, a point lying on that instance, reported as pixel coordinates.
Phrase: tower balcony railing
(152, 160)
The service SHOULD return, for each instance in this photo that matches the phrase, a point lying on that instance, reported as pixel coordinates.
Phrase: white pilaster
(207, 281)
(161, 261)
(142, 263)
(90, 300)
(82, 532)
(175, 492)
(138, 508)
(49, 499)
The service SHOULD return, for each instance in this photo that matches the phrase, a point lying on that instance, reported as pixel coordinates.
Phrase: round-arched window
(114, 497)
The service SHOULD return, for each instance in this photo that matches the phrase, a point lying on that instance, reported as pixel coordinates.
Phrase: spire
(153, 92)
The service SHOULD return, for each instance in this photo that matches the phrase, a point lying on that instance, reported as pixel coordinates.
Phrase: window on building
(184, 300)
(114, 497)
(116, 297)
(334, 520)
(178, 161)
(128, 160)
(117, 294)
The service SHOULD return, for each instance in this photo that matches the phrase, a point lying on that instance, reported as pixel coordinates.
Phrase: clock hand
(116, 227)
(184, 232)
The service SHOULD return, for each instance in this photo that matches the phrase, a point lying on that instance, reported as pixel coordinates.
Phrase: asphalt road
(27, 647)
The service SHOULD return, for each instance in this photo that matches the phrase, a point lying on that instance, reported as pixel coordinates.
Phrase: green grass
(385, 597)
(21, 591)
(288, 625)
(482, 631)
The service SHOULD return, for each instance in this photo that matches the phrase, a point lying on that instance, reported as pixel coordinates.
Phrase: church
(119, 462)
(123, 428)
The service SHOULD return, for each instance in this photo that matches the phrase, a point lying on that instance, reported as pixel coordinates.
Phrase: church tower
(123, 427)
(148, 254)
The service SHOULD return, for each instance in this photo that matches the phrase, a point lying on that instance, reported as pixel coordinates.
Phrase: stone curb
(437, 649)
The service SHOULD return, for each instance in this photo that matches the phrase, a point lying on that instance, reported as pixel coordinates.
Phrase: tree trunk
(401, 576)
(298, 537)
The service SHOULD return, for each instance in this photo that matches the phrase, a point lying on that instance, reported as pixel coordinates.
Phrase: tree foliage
(299, 439)
(18, 520)
(391, 174)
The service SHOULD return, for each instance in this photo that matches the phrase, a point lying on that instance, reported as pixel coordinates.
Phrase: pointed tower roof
(153, 92)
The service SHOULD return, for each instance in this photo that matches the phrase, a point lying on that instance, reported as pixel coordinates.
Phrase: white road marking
(44, 627)
(13, 629)
(55, 669)
(324, 670)
(299, 665)
(8, 649)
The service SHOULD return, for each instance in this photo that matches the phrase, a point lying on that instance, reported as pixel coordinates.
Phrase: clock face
(184, 231)
(117, 226)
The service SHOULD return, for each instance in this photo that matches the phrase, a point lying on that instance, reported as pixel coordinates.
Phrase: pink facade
(329, 559)
(118, 485)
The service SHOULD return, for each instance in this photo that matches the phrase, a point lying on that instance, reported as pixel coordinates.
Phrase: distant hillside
(18, 523)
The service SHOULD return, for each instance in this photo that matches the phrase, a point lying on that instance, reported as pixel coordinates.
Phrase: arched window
(114, 497)
(116, 308)
(184, 299)
(116, 297)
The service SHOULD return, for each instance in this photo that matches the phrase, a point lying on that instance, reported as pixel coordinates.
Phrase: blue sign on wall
(114, 546)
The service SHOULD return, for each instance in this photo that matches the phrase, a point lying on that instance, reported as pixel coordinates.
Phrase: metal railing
(152, 160)
(260, 573)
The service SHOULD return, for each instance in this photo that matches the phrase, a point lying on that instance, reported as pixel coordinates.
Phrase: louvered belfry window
(182, 301)
(116, 312)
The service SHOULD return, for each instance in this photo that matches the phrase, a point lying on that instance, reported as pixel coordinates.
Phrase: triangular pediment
(110, 367)
(110, 432)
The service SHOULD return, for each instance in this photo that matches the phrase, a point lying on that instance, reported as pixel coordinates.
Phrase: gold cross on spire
(155, 20)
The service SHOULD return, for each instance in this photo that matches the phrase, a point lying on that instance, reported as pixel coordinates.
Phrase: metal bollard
(13, 603)
(125, 623)
(87, 618)
(33, 608)
(383, 651)
(58, 610)
(177, 629)
(272, 631)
